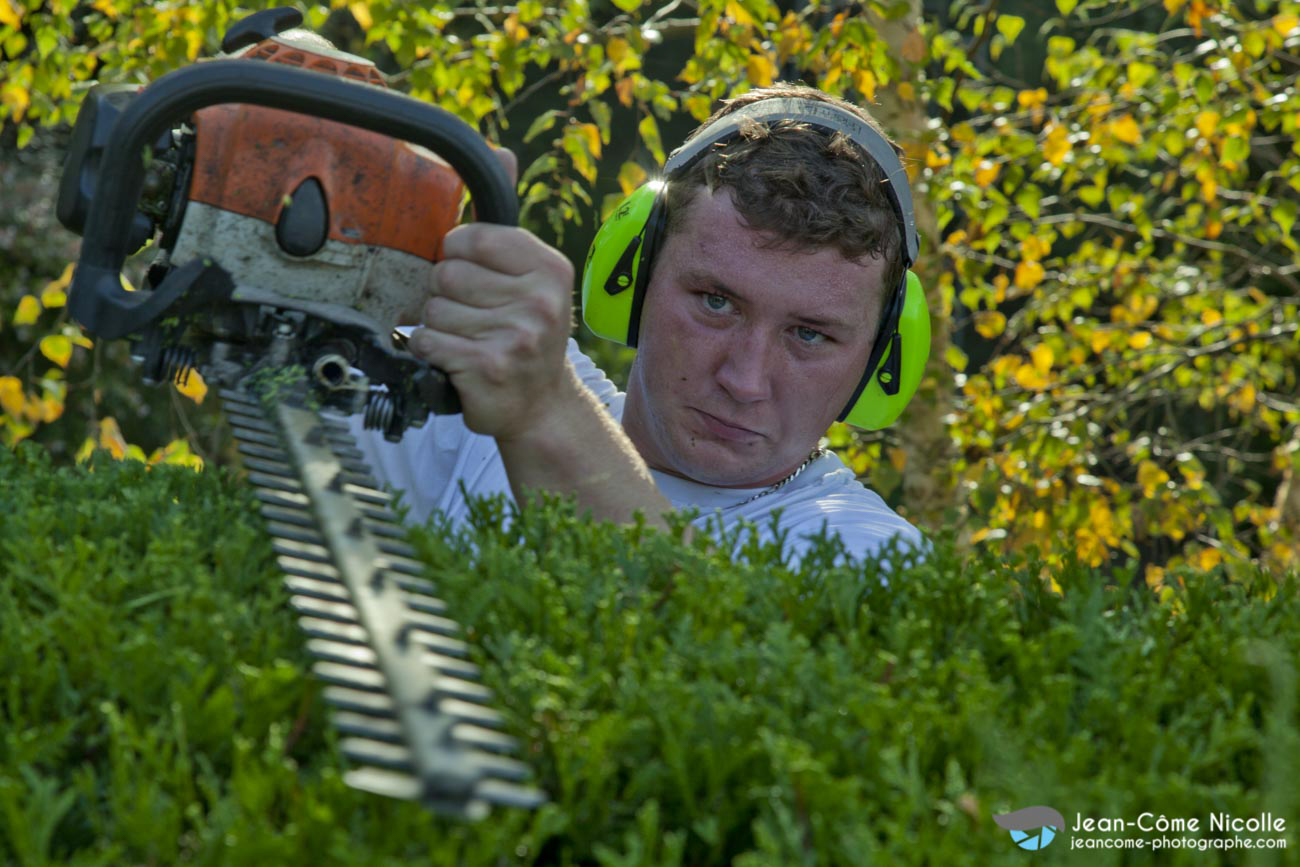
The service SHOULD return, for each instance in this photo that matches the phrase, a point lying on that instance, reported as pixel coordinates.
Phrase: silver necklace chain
(772, 489)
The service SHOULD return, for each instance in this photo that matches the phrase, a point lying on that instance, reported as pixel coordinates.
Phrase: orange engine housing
(378, 191)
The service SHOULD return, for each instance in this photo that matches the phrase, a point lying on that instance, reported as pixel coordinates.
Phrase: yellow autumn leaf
(1126, 129)
(1208, 558)
(935, 159)
(1099, 340)
(1034, 248)
(1032, 98)
(1139, 340)
(1056, 144)
(631, 176)
(1209, 182)
(737, 13)
(56, 348)
(361, 12)
(1211, 317)
(193, 387)
(1286, 24)
(865, 82)
(55, 292)
(12, 397)
(1151, 478)
(1207, 122)
(760, 70)
(1043, 358)
(29, 310)
(1155, 576)
(1029, 275)
(591, 135)
(17, 97)
(110, 438)
(11, 15)
(1027, 376)
(986, 172)
(990, 323)
(1243, 400)
(1172, 6)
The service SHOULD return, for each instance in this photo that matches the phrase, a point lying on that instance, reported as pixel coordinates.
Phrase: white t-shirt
(430, 465)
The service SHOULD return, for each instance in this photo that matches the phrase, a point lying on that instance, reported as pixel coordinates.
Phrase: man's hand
(497, 321)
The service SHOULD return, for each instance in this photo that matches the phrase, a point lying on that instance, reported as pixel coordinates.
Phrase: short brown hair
(806, 187)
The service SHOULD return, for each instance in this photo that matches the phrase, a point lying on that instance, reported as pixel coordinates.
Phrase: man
(780, 253)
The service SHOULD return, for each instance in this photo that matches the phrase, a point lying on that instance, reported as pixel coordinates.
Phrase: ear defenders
(621, 258)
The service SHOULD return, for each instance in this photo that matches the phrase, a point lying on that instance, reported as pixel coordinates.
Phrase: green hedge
(679, 708)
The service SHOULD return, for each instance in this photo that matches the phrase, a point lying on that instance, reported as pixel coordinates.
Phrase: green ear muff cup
(618, 267)
(877, 405)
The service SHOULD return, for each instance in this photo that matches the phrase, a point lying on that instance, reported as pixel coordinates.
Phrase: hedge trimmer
(299, 206)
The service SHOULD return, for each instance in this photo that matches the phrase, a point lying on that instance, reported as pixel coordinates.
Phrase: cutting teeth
(368, 494)
(296, 516)
(301, 550)
(437, 643)
(372, 703)
(397, 548)
(470, 712)
(308, 569)
(330, 591)
(292, 533)
(332, 631)
(377, 753)
(280, 468)
(387, 783)
(404, 694)
(483, 739)
(454, 687)
(387, 531)
(261, 434)
(309, 606)
(284, 498)
(405, 566)
(450, 665)
(373, 727)
(256, 450)
(425, 604)
(351, 676)
(337, 651)
(509, 795)
(286, 484)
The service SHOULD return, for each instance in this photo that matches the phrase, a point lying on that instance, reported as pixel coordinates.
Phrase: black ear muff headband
(826, 116)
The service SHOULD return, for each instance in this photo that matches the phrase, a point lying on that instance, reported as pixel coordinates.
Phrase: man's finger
(473, 284)
(507, 249)
(509, 162)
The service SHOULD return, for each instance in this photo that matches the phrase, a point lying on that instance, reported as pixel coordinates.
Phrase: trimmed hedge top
(678, 707)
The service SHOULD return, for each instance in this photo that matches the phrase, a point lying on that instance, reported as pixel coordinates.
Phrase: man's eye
(716, 302)
(809, 335)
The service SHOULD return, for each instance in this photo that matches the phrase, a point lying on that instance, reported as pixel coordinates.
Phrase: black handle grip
(96, 298)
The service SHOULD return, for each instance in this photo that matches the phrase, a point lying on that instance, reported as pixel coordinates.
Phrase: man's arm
(497, 323)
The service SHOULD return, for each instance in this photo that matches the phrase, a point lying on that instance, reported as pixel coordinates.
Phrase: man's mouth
(725, 429)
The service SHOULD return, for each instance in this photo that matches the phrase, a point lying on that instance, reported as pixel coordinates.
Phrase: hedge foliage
(680, 708)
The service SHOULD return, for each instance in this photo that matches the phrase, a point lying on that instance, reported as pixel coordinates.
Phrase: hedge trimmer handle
(96, 297)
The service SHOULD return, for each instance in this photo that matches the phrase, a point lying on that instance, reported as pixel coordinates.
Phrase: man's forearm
(577, 448)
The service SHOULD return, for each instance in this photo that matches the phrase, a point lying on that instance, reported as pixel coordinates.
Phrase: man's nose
(746, 369)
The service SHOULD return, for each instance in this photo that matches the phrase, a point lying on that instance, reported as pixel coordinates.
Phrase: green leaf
(1065, 7)
(1010, 26)
(1284, 214)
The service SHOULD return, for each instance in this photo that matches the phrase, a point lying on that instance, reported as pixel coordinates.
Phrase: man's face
(746, 353)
